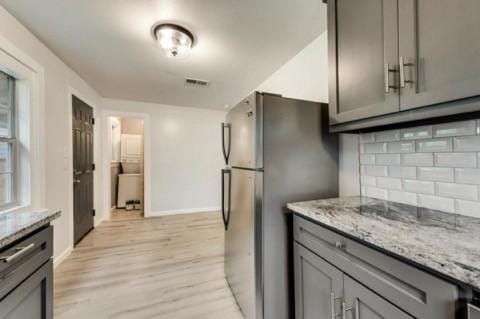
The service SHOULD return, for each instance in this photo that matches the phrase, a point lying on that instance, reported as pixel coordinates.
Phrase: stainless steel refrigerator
(277, 150)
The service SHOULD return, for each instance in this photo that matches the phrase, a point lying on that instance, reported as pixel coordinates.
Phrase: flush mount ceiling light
(174, 40)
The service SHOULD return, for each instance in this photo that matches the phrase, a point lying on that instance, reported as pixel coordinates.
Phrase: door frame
(106, 161)
(68, 157)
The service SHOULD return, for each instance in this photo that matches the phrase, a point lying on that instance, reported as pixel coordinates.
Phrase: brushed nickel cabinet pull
(333, 300)
(402, 72)
(387, 71)
(18, 253)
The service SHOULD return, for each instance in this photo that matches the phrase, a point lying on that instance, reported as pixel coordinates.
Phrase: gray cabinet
(26, 277)
(439, 47)
(363, 57)
(387, 57)
(370, 281)
(318, 286)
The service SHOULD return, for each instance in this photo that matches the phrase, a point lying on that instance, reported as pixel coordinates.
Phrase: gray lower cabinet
(337, 277)
(26, 277)
(318, 286)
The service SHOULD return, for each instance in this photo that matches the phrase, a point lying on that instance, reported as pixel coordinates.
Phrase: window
(7, 140)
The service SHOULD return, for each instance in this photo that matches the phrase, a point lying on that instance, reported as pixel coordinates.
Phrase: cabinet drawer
(415, 291)
(22, 258)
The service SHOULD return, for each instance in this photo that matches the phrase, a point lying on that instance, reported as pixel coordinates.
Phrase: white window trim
(29, 106)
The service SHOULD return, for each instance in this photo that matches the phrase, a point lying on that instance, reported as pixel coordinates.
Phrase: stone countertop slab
(14, 226)
(446, 243)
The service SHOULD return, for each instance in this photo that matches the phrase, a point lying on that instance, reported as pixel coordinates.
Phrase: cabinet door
(318, 286)
(362, 303)
(32, 299)
(438, 41)
(363, 56)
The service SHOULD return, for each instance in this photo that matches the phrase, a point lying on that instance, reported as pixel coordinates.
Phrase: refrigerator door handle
(226, 151)
(226, 212)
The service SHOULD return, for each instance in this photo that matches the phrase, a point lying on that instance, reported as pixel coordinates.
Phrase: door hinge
(93, 166)
(325, 1)
(93, 121)
(94, 213)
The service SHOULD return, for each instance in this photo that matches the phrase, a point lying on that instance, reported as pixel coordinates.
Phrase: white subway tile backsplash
(368, 181)
(402, 172)
(387, 136)
(389, 183)
(402, 197)
(401, 147)
(387, 159)
(372, 170)
(415, 133)
(439, 174)
(467, 175)
(366, 138)
(374, 148)
(376, 193)
(467, 143)
(419, 187)
(456, 160)
(417, 159)
(467, 208)
(436, 167)
(435, 145)
(438, 203)
(367, 159)
(454, 129)
(459, 191)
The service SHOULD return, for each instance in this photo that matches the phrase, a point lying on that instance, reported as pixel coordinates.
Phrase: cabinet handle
(387, 71)
(355, 310)
(333, 300)
(18, 253)
(402, 72)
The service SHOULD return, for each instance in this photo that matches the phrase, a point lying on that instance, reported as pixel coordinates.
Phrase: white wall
(305, 76)
(185, 155)
(59, 81)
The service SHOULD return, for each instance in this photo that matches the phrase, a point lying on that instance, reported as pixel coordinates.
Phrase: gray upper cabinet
(318, 286)
(440, 49)
(363, 58)
(361, 303)
(388, 58)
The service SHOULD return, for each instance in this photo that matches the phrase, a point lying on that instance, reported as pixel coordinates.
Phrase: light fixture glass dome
(174, 40)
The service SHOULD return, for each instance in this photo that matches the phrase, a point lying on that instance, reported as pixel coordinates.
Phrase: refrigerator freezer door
(240, 241)
(245, 121)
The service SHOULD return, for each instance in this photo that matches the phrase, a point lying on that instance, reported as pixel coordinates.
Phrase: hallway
(131, 267)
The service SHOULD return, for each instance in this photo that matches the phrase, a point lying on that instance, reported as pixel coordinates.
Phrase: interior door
(362, 303)
(439, 46)
(82, 168)
(363, 51)
(240, 240)
(318, 286)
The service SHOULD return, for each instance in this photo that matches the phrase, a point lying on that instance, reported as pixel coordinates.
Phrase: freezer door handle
(226, 151)
(226, 210)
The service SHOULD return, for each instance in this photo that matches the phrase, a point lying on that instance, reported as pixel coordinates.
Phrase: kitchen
(347, 185)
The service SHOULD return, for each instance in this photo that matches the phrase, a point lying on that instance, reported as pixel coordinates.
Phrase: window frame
(12, 142)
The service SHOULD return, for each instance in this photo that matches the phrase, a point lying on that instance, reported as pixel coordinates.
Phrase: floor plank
(136, 268)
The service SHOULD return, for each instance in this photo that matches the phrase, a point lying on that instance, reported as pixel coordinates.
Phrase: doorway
(83, 167)
(126, 146)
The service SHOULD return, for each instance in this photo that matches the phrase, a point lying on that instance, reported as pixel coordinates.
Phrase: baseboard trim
(60, 258)
(183, 211)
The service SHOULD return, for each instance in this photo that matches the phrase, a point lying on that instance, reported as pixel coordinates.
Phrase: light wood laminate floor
(131, 267)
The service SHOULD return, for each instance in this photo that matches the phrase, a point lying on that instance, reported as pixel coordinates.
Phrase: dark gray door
(363, 55)
(362, 303)
(438, 42)
(318, 286)
(32, 299)
(82, 168)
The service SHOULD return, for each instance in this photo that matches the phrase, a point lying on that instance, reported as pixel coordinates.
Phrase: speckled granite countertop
(16, 225)
(446, 243)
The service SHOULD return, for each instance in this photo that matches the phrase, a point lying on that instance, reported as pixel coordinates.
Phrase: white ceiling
(109, 44)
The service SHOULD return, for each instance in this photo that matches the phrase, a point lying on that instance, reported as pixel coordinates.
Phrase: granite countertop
(16, 225)
(446, 243)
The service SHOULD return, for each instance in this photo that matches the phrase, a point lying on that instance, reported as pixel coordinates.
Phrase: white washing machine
(129, 188)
